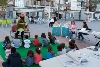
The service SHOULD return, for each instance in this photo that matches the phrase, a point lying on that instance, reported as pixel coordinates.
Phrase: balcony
(42, 3)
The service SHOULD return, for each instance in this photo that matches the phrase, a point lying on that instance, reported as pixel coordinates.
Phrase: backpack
(13, 28)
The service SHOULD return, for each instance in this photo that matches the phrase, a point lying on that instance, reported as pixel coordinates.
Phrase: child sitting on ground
(74, 44)
(6, 42)
(63, 47)
(70, 47)
(45, 41)
(27, 42)
(38, 56)
(8, 50)
(16, 42)
(29, 59)
(49, 54)
(36, 41)
(51, 38)
(60, 52)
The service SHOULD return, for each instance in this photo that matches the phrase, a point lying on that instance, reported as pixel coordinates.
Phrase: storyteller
(21, 25)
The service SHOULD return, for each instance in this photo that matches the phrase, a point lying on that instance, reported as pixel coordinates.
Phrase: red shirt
(37, 58)
(36, 42)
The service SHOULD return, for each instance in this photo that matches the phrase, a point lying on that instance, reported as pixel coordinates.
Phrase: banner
(75, 5)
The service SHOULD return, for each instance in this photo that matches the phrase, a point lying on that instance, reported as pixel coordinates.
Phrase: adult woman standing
(21, 25)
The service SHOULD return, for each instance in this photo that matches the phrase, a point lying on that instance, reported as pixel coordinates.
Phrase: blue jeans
(70, 35)
(5, 64)
(80, 35)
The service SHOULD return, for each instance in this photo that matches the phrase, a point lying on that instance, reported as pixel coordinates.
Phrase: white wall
(19, 3)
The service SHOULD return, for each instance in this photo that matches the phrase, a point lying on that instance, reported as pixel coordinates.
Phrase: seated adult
(21, 25)
(80, 34)
(51, 22)
(72, 30)
(72, 26)
(14, 59)
(32, 20)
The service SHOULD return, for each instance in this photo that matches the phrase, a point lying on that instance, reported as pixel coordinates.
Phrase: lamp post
(48, 14)
(58, 9)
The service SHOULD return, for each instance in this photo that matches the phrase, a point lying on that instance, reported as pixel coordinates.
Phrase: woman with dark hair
(80, 33)
(14, 59)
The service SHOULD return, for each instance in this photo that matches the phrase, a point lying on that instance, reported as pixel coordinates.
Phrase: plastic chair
(0, 21)
(9, 22)
(86, 34)
(4, 22)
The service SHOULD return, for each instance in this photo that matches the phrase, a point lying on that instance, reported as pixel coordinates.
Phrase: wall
(19, 3)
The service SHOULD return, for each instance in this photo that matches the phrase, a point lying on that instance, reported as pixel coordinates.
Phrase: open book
(69, 59)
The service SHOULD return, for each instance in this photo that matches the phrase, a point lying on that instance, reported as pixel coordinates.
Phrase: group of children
(32, 58)
(26, 43)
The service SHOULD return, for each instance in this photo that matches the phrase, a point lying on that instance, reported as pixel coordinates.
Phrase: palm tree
(3, 4)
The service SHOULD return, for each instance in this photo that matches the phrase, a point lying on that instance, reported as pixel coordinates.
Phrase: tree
(93, 4)
(3, 4)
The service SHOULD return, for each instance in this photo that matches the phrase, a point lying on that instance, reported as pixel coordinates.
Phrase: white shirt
(30, 19)
(59, 53)
(7, 52)
(51, 20)
(64, 51)
(27, 43)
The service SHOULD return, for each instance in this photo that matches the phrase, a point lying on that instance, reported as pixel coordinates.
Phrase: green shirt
(21, 25)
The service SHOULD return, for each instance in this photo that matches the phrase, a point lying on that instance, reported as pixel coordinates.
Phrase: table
(54, 62)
